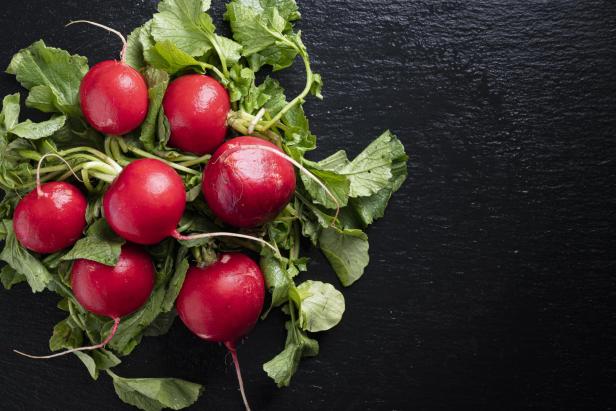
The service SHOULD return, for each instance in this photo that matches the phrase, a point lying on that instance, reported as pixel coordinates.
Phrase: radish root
(232, 349)
(39, 192)
(109, 29)
(181, 237)
(116, 322)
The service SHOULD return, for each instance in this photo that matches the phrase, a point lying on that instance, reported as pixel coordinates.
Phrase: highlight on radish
(196, 106)
(110, 291)
(222, 302)
(113, 95)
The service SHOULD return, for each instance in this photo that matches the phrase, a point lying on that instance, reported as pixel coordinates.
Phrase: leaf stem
(309, 80)
(145, 154)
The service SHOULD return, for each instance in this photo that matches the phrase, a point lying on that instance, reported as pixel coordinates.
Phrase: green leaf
(175, 284)
(370, 171)
(338, 185)
(277, 280)
(228, 48)
(183, 23)
(66, 334)
(89, 363)
(97, 360)
(35, 131)
(9, 277)
(52, 75)
(158, 81)
(139, 41)
(282, 367)
(167, 56)
(264, 30)
(347, 252)
(321, 306)
(161, 325)
(22, 261)
(368, 209)
(154, 394)
(10, 112)
(131, 328)
(101, 245)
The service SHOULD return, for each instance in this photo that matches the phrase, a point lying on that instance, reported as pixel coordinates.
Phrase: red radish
(145, 202)
(223, 301)
(246, 185)
(196, 107)
(50, 218)
(113, 95)
(112, 292)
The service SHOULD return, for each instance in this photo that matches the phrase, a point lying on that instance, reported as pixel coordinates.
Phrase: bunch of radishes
(248, 184)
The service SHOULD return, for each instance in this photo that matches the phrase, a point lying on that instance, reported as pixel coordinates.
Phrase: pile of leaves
(181, 38)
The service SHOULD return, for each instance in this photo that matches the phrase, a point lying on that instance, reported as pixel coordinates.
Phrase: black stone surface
(493, 271)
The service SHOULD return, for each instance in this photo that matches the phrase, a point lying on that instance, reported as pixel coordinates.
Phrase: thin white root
(38, 171)
(240, 380)
(109, 29)
(255, 120)
(181, 237)
(116, 322)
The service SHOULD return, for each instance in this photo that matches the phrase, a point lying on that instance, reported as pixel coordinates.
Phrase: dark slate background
(493, 270)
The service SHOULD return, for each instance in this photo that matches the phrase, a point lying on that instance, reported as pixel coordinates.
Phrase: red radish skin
(145, 202)
(50, 218)
(114, 292)
(114, 97)
(246, 186)
(222, 302)
(196, 107)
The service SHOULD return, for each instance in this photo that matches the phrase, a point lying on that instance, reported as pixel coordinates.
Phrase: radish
(113, 95)
(51, 217)
(112, 292)
(145, 202)
(222, 302)
(248, 181)
(196, 106)
(245, 185)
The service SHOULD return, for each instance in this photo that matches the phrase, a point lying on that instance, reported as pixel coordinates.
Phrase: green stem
(294, 252)
(223, 60)
(199, 160)
(145, 154)
(105, 158)
(309, 81)
(116, 152)
(240, 125)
